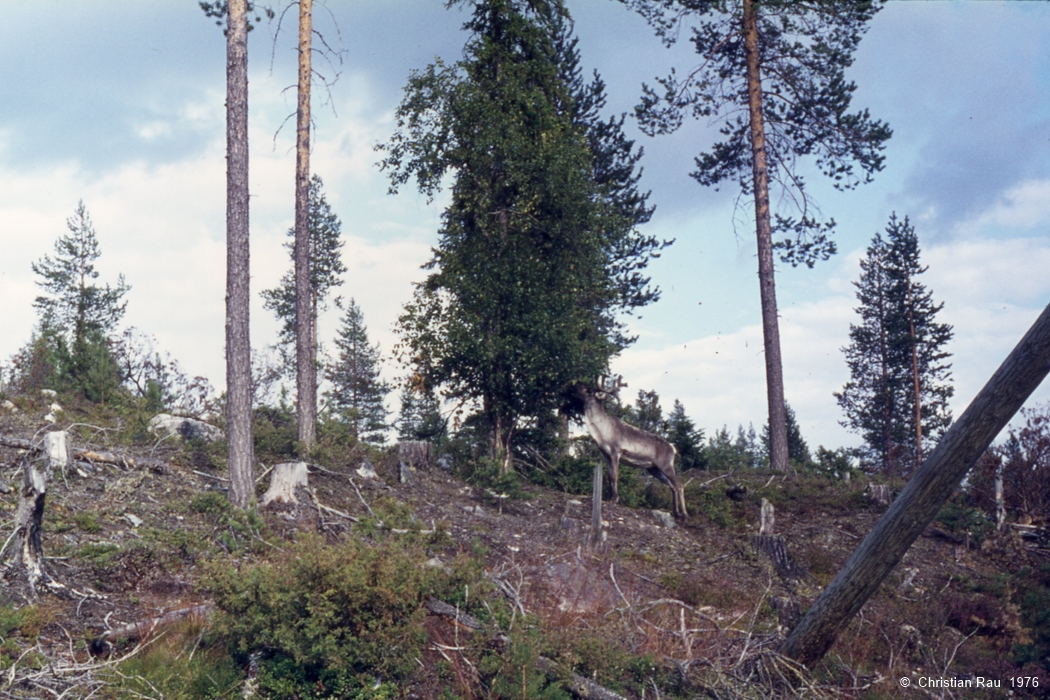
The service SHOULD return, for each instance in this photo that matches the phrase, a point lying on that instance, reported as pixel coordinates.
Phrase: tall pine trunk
(305, 365)
(238, 349)
(917, 385)
(778, 448)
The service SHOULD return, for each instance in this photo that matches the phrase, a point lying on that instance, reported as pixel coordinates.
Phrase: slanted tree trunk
(922, 498)
(238, 347)
(778, 447)
(28, 549)
(305, 356)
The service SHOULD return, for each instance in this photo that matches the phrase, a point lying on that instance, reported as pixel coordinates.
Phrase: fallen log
(137, 631)
(116, 458)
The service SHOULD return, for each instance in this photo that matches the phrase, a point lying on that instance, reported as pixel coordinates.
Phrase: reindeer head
(609, 386)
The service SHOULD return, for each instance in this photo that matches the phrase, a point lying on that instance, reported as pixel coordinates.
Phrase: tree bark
(29, 550)
(778, 448)
(238, 347)
(305, 357)
(922, 498)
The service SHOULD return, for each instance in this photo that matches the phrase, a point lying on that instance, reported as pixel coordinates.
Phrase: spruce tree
(76, 315)
(897, 396)
(357, 392)
(420, 416)
(524, 292)
(687, 439)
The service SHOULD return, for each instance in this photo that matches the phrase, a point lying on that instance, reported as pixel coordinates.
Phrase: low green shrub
(334, 621)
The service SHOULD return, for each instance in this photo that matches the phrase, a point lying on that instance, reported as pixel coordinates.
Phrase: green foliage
(725, 454)
(185, 663)
(72, 351)
(959, 518)
(357, 394)
(274, 431)
(420, 416)
(804, 50)
(523, 297)
(798, 450)
(332, 619)
(326, 270)
(897, 338)
(88, 522)
(513, 674)
(688, 440)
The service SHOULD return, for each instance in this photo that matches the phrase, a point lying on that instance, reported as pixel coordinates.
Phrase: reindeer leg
(614, 475)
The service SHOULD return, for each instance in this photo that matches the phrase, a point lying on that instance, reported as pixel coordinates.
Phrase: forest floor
(658, 610)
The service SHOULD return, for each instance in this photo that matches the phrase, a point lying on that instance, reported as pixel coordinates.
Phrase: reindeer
(619, 441)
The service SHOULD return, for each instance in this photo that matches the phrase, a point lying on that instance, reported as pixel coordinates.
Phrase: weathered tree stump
(880, 493)
(767, 518)
(286, 479)
(413, 454)
(28, 547)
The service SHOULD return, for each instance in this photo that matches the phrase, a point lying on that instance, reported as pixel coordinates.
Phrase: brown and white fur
(619, 441)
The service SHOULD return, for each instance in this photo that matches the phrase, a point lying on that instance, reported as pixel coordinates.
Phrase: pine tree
(897, 396)
(687, 439)
(76, 315)
(772, 72)
(326, 270)
(523, 297)
(357, 392)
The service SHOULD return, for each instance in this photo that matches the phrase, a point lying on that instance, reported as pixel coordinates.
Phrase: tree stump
(29, 551)
(880, 493)
(767, 518)
(416, 453)
(287, 478)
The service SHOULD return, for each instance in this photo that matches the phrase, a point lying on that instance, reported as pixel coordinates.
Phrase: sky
(120, 104)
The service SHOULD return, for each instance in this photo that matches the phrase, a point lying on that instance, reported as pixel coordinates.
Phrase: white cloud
(1023, 206)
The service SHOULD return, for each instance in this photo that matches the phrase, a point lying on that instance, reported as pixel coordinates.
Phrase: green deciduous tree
(772, 75)
(534, 258)
(77, 315)
(357, 392)
(897, 396)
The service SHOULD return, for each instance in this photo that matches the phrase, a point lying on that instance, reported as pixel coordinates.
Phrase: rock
(444, 462)
(8, 406)
(367, 470)
(5, 489)
(51, 418)
(164, 424)
(55, 408)
(665, 518)
(48, 393)
(133, 519)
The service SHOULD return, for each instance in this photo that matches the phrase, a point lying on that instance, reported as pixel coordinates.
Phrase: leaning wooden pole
(921, 499)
